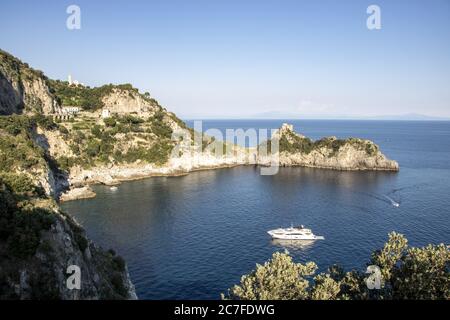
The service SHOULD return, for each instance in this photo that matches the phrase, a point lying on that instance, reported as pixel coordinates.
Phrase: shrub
(371, 149)
(15, 124)
(93, 148)
(407, 273)
(65, 163)
(117, 283)
(78, 137)
(96, 131)
(63, 130)
(119, 263)
(45, 122)
(130, 119)
(21, 184)
(157, 154)
(159, 127)
(110, 122)
(299, 144)
(81, 241)
(279, 278)
(20, 228)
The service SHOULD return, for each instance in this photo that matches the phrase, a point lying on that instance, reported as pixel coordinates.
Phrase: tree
(422, 273)
(110, 122)
(326, 288)
(93, 148)
(279, 278)
(408, 273)
(96, 131)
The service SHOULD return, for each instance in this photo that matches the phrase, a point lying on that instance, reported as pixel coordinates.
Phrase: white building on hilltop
(105, 113)
(70, 110)
(74, 82)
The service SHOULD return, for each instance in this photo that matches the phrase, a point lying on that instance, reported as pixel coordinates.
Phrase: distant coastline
(424, 119)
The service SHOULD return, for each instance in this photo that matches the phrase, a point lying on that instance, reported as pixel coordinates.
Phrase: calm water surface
(192, 237)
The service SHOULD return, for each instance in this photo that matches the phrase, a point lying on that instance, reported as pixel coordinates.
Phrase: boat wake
(392, 197)
(408, 187)
(384, 198)
(392, 201)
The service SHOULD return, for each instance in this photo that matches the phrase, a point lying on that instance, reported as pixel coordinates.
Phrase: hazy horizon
(233, 60)
(393, 117)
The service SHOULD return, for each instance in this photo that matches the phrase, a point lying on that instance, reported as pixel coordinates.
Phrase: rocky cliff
(39, 243)
(128, 101)
(330, 153)
(37, 240)
(23, 89)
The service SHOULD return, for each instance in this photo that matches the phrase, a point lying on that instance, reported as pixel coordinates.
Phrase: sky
(241, 59)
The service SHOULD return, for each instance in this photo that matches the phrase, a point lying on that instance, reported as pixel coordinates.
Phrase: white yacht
(294, 233)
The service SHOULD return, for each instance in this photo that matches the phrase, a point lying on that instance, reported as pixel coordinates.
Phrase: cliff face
(38, 241)
(329, 153)
(348, 158)
(123, 102)
(22, 89)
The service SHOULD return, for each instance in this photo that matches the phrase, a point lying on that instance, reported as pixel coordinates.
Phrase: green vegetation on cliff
(20, 157)
(20, 223)
(119, 139)
(406, 273)
(90, 99)
(30, 259)
(27, 249)
(17, 69)
(291, 142)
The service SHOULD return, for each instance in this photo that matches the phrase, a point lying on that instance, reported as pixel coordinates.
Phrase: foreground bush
(407, 273)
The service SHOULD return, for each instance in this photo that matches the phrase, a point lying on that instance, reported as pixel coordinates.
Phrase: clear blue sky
(239, 58)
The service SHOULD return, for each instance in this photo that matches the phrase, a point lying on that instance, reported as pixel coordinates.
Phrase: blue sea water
(192, 237)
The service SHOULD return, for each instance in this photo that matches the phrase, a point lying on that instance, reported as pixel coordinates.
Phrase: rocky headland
(328, 153)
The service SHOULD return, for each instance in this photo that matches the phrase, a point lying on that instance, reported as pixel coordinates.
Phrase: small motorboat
(113, 188)
(294, 233)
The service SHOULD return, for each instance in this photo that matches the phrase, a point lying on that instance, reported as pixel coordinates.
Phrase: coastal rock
(111, 175)
(84, 192)
(348, 158)
(327, 153)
